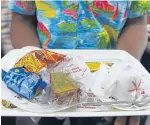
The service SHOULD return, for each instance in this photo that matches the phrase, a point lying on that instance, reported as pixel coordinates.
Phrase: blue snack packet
(23, 82)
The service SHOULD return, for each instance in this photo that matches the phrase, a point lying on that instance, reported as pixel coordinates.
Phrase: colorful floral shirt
(80, 24)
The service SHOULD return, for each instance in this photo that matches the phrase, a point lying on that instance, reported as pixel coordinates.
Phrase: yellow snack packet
(35, 60)
(31, 63)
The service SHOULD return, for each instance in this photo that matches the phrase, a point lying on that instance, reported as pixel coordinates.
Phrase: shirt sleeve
(25, 7)
(139, 8)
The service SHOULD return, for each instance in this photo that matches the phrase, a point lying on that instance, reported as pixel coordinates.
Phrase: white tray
(70, 113)
(90, 55)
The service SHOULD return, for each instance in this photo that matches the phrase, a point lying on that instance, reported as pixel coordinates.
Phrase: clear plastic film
(62, 74)
(128, 87)
(64, 88)
(123, 85)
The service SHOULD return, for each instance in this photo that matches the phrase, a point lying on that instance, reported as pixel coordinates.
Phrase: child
(83, 24)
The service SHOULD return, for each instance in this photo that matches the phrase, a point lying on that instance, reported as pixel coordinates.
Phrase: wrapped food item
(23, 82)
(67, 82)
(31, 63)
(64, 88)
(53, 57)
(8, 104)
(63, 75)
(77, 69)
(36, 60)
(100, 79)
(128, 84)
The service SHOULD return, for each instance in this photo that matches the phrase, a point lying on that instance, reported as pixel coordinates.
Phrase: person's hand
(134, 120)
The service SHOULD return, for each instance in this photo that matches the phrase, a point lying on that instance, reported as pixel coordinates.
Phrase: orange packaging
(53, 57)
(36, 60)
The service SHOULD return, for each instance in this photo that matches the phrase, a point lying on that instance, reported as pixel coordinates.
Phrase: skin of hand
(23, 31)
(134, 37)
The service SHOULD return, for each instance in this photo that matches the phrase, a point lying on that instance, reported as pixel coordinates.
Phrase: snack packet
(61, 80)
(36, 60)
(23, 82)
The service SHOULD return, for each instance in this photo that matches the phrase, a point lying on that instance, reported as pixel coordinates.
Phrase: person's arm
(23, 31)
(23, 24)
(133, 38)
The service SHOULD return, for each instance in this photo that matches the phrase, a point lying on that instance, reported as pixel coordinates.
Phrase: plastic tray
(113, 56)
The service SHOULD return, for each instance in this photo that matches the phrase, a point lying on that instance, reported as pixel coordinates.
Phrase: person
(83, 24)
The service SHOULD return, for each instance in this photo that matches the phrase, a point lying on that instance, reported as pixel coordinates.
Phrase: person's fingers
(135, 120)
(120, 121)
(108, 119)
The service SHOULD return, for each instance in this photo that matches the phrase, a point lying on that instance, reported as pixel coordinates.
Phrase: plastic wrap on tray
(45, 96)
(70, 82)
(36, 60)
(49, 80)
(23, 82)
(65, 89)
(128, 85)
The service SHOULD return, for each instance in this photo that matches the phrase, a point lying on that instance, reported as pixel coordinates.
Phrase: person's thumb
(135, 120)
(120, 121)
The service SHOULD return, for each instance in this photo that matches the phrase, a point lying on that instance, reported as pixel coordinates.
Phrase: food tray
(113, 56)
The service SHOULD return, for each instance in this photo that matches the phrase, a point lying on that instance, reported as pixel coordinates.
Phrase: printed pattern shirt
(83, 24)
